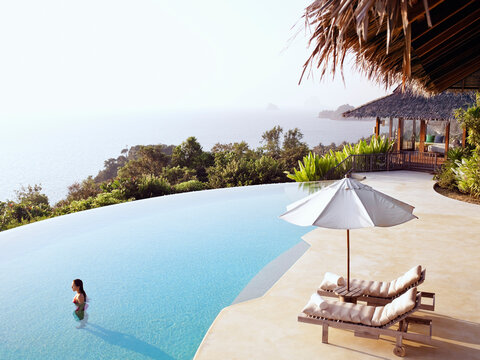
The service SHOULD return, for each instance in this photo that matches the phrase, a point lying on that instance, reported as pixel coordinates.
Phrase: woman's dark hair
(79, 283)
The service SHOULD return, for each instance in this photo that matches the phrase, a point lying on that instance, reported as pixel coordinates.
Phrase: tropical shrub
(87, 188)
(266, 170)
(470, 119)
(177, 174)
(467, 175)
(75, 206)
(150, 186)
(446, 177)
(314, 167)
(191, 185)
(110, 198)
(230, 170)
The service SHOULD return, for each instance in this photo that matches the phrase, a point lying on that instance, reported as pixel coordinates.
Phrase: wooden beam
(423, 133)
(464, 137)
(463, 45)
(455, 75)
(455, 29)
(400, 134)
(447, 137)
(377, 127)
(418, 11)
(390, 128)
(439, 16)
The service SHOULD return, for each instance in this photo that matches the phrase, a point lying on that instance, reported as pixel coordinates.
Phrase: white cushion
(359, 313)
(315, 306)
(331, 281)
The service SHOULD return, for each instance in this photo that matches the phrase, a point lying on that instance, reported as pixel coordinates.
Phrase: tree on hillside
(191, 155)
(31, 195)
(150, 161)
(293, 148)
(271, 141)
(87, 188)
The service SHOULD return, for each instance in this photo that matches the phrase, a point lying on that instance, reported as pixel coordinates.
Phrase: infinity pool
(157, 272)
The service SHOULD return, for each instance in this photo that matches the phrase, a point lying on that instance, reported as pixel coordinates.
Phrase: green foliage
(79, 191)
(177, 174)
(191, 185)
(155, 170)
(237, 165)
(150, 186)
(190, 154)
(266, 170)
(467, 175)
(271, 141)
(470, 119)
(30, 205)
(111, 198)
(447, 177)
(456, 154)
(31, 195)
(315, 167)
(150, 160)
(230, 170)
(293, 148)
(110, 168)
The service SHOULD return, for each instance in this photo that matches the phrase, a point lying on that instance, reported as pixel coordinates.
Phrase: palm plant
(470, 119)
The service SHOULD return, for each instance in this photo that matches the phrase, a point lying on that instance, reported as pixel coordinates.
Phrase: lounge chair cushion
(363, 314)
(404, 281)
(315, 305)
(331, 281)
(399, 306)
(389, 289)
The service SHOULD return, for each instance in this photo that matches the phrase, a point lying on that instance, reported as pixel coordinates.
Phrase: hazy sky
(106, 57)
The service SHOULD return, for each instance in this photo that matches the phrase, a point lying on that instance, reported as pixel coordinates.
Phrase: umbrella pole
(348, 260)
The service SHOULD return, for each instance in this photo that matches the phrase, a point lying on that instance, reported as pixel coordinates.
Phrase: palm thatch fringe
(378, 32)
(415, 107)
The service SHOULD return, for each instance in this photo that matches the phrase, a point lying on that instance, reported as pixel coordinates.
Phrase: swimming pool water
(157, 272)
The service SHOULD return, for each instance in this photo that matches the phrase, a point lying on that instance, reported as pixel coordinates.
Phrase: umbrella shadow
(128, 342)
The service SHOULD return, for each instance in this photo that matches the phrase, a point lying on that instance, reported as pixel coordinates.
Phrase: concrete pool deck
(445, 240)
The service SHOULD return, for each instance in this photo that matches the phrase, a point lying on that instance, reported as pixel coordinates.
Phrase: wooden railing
(406, 160)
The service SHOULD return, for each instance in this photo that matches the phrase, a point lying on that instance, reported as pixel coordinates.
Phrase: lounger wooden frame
(380, 301)
(373, 332)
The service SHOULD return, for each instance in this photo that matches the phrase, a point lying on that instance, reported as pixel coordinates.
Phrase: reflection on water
(83, 322)
(314, 186)
(127, 342)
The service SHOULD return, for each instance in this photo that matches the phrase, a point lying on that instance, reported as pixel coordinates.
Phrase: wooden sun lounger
(373, 332)
(379, 301)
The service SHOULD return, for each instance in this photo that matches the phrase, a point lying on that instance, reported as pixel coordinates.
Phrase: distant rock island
(335, 114)
(272, 107)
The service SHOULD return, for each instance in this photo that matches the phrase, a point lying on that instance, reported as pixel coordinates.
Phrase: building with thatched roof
(410, 106)
(428, 45)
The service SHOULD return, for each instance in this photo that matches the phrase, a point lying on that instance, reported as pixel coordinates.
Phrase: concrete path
(445, 239)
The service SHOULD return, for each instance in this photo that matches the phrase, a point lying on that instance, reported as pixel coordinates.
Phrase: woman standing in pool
(80, 300)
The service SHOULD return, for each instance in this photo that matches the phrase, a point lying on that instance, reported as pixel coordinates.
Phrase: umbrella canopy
(348, 204)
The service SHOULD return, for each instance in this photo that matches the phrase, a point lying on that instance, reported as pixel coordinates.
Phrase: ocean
(56, 153)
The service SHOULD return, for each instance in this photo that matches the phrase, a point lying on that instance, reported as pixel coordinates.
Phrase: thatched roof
(411, 106)
(428, 45)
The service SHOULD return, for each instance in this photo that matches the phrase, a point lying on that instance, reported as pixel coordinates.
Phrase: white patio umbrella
(348, 204)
